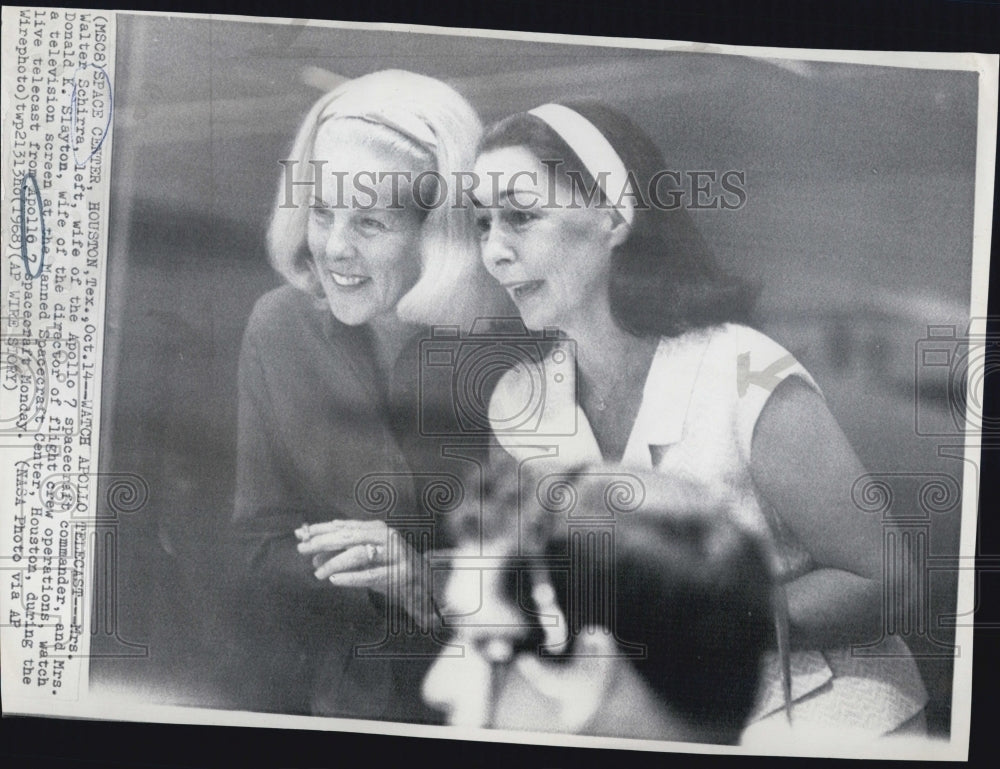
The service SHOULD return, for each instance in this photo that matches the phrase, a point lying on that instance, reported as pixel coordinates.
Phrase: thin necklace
(601, 401)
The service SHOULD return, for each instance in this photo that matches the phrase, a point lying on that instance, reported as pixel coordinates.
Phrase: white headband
(400, 121)
(596, 152)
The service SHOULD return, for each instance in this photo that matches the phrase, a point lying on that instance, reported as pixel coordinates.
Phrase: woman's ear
(617, 228)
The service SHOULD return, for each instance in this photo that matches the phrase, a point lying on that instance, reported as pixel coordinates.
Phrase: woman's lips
(523, 289)
(347, 281)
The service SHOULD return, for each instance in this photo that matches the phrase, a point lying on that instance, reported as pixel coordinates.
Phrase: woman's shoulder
(539, 378)
(745, 367)
(735, 335)
(512, 387)
(731, 363)
(753, 357)
(279, 307)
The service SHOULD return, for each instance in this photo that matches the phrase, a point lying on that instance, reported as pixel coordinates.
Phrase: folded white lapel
(666, 398)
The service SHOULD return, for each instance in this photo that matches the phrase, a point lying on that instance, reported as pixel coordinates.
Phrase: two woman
(669, 377)
(328, 383)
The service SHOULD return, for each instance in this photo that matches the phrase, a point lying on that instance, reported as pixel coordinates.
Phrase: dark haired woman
(668, 377)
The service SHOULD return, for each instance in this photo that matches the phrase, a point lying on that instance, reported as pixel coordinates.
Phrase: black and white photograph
(491, 385)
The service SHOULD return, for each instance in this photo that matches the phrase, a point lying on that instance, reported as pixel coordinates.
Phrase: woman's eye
(372, 225)
(519, 219)
(483, 226)
(321, 215)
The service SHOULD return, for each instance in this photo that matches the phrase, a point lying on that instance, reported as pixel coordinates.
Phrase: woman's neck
(612, 368)
(607, 354)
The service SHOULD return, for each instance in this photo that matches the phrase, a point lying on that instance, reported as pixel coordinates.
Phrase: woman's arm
(805, 468)
(263, 523)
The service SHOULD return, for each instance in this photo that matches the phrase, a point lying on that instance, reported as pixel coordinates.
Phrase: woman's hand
(369, 554)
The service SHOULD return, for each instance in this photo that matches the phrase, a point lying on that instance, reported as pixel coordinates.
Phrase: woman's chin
(350, 316)
(537, 321)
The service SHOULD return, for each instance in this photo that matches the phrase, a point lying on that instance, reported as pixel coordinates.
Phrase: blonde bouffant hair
(453, 287)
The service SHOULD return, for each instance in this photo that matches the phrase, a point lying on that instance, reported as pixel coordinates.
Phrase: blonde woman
(327, 383)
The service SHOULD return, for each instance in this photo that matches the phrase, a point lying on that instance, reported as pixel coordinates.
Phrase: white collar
(666, 398)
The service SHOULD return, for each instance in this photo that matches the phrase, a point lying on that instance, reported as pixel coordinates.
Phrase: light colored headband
(405, 123)
(596, 152)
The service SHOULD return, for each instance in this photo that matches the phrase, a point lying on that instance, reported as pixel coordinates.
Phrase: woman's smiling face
(550, 251)
(364, 234)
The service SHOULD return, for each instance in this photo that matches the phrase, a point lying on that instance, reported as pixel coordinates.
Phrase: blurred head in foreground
(602, 603)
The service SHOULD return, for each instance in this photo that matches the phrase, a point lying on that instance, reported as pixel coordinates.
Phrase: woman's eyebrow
(378, 206)
(503, 196)
(512, 195)
(519, 191)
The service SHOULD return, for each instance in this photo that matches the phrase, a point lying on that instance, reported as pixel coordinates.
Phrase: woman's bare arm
(805, 468)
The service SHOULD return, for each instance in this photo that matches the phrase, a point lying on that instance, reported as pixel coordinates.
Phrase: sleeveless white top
(703, 394)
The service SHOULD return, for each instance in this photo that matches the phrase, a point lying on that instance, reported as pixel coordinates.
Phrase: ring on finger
(372, 552)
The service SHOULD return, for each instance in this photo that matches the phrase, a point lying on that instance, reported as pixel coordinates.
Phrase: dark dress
(316, 419)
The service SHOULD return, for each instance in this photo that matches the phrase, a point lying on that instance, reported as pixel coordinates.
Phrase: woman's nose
(497, 252)
(437, 690)
(338, 244)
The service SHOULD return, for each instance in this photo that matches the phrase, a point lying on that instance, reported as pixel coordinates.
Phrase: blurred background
(857, 224)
